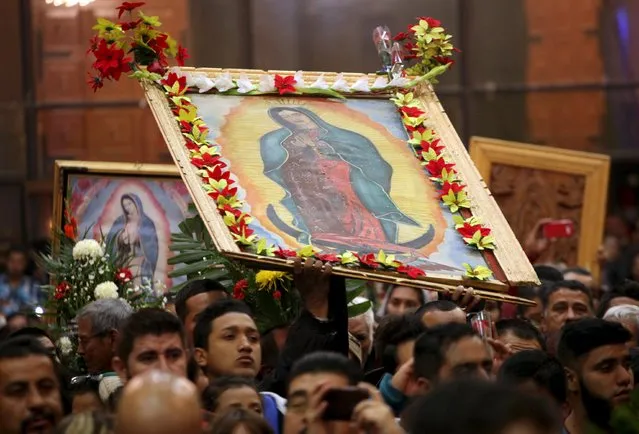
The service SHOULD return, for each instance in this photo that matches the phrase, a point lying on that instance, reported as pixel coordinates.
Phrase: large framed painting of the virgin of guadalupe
(348, 176)
(137, 206)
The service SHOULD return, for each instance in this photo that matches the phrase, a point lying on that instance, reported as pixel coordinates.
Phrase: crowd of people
(413, 364)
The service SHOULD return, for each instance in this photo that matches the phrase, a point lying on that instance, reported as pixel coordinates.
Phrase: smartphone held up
(342, 401)
(558, 229)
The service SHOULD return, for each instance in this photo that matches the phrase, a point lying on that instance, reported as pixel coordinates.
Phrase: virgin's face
(129, 207)
(298, 119)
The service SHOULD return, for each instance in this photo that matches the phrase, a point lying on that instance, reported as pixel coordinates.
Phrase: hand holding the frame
(312, 280)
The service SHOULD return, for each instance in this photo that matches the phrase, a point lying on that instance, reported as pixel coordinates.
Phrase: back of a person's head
(521, 328)
(571, 285)
(229, 421)
(21, 347)
(623, 313)
(192, 289)
(628, 289)
(205, 319)
(326, 362)
(215, 389)
(394, 330)
(436, 305)
(543, 370)
(33, 332)
(106, 314)
(145, 322)
(431, 346)
(579, 338)
(96, 422)
(547, 273)
(476, 407)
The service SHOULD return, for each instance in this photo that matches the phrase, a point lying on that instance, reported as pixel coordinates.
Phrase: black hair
(34, 332)
(193, 370)
(17, 248)
(144, 322)
(432, 412)
(572, 285)
(522, 329)
(578, 271)
(436, 305)
(628, 289)
(228, 422)
(393, 331)
(326, 362)
(204, 324)
(217, 387)
(578, 338)
(529, 292)
(192, 289)
(22, 346)
(548, 273)
(542, 369)
(431, 346)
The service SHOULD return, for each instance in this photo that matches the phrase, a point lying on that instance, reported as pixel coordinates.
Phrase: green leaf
(197, 267)
(323, 92)
(189, 257)
(358, 309)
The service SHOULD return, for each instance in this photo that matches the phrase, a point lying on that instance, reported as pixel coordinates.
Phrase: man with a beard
(597, 362)
(30, 400)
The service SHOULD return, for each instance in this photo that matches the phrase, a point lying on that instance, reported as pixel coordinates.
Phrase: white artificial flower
(267, 83)
(224, 82)
(65, 345)
(380, 83)
(87, 249)
(91, 276)
(340, 85)
(361, 85)
(299, 79)
(399, 82)
(244, 84)
(200, 81)
(320, 83)
(106, 290)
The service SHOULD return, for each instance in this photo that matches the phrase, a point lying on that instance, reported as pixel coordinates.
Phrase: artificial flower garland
(152, 48)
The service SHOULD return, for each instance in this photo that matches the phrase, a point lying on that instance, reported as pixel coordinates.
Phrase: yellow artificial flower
(270, 279)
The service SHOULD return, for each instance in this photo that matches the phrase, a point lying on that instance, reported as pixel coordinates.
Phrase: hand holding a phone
(373, 416)
(314, 415)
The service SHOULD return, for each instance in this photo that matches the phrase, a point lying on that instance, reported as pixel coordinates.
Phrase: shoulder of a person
(277, 400)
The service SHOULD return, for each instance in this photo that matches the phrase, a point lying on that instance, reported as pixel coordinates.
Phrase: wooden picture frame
(573, 177)
(508, 261)
(89, 192)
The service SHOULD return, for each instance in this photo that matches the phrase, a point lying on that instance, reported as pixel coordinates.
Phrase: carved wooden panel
(526, 195)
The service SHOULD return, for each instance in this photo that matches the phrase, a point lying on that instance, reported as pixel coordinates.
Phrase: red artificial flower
(411, 112)
(228, 191)
(130, 25)
(173, 78)
(218, 173)
(95, 83)
(182, 55)
(285, 253)
(124, 275)
(410, 271)
(409, 51)
(277, 294)
(93, 43)
(156, 67)
(435, 167)
(128, 7)
(207, 160)
(227, 208)
(327, 257)
(159, 43)
(401, 36)
(432, 22)
(69, 231)
(468, 230)
(434, 145)
(61, 290)
(285, 84)
(238, 289)
(368, 259)
(456, 187)
(444, 60)
(110, 60)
